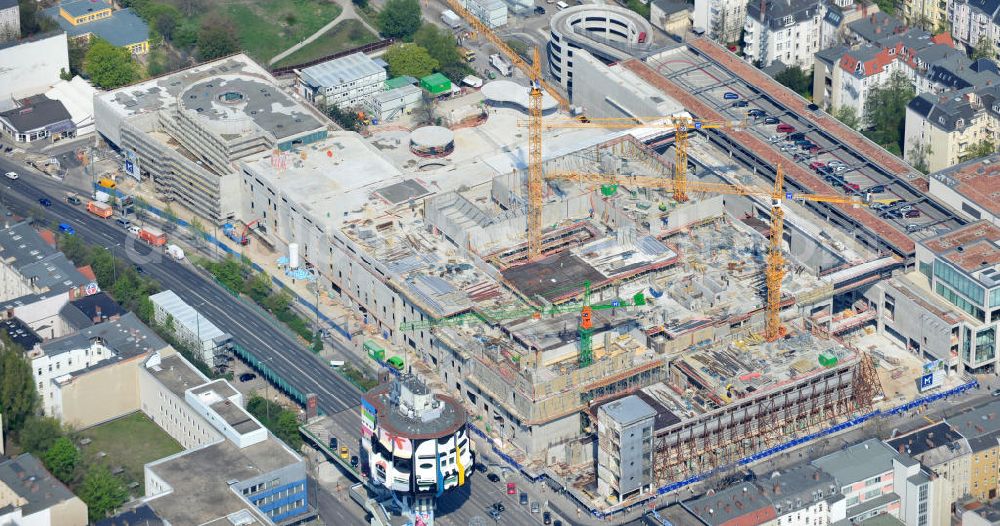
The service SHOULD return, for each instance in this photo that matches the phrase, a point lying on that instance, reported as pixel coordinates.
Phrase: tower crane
(585, 329)
(775, 262)
(682, 126)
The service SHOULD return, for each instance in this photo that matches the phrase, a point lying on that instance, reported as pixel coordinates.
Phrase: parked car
(775, 138)
(493, 477)
(523, 499)
(495, 515)
(535, 508)
(11, 175)
(354, 461)
(852, 186)
(499, 506)
(246, 377)
(824, 170)
(539, 10)
(836, 162)
(741, 104)
(796, 136)
(771, 120)
(511, 488)
(124, 223)
(45, 201)
(785, 128)
(480, 467)
(756, 113)
(729, 95)
(816, 165)
(139, 270)
(547, 518)
(839, 168)
(912, 213)
(344, 452)
(877, 189)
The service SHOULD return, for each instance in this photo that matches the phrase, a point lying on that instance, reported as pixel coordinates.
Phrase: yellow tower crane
(681, 125)
(775, 262)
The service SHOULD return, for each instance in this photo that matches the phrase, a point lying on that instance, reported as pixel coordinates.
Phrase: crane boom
(504, 49)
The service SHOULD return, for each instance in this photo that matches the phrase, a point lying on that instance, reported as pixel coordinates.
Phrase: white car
(11, 175)
(835, 162)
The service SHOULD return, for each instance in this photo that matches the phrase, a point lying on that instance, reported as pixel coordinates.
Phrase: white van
(561, 5)
(336, 364)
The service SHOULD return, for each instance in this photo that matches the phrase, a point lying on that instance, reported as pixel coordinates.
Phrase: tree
(102, 492)
(190, 7)
(279, 301)
(639, 7)
(979, 149)
(847, 115)
(317, 343)
(796, 80)
(400, 19)
(258, 287)
(287, 429)
(361, 4)
(886, 6)
(885, 111)
(165, 25)
(169, 214)
(409, 59)
(424, 113)
(33, 21)
(984, 49)
(108, 66)
(919, 157)
(440, 44)
(18, 398)
(38, 434)
(346, 119)
(61, 459)
(217, 38)
(198, 229)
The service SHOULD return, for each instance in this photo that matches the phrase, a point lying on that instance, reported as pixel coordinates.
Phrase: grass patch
(129, 442)
(268, 27)
(347, 34)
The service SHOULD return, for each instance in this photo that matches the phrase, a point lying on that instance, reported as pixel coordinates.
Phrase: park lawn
(347, 34)
(268, 27)
(129, 442)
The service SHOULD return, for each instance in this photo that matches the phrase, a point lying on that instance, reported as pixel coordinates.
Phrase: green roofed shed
(436, 83)
(399, 82)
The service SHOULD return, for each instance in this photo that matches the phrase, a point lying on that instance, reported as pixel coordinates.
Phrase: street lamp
(114, 262)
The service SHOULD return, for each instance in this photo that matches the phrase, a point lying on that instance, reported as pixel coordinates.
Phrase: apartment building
(722, 20)
(981, 428)
(787, 32)
(941, 128)
(30, 495)
(346, 82)
(189, 128)
(206, 340)
(974, 20)
(961, 267)
(930, 14)
(625, 448)
(875, 479)
(83, 19)
(742, 503)
(89, 376)
(943, 450)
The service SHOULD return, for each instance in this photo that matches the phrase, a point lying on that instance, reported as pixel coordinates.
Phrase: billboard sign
(131, 165)
(369, 415)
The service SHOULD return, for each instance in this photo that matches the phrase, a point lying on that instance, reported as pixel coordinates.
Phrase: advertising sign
(131, 164)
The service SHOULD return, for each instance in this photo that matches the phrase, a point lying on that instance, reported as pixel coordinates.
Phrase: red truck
(152, 236)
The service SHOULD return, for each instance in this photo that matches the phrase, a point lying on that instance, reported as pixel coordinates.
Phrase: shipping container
(100, 209)
(153, 236)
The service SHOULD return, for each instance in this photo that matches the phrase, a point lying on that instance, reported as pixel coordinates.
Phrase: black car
(824, 170)
(877, 189)
(45, 201)
(539, 10)
(246, 377)
(797, 136)
(757, 113)
(354, 461)
(493, 477)
(138, 270)
(546, 518)
(741, 104)
(499, 506)
(771, 120)
(480, 467)
(495, 515)
(557, 523)
(813, 107)
(334, 443)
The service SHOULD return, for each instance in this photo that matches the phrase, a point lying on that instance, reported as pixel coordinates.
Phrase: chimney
(815, 475)
(776, 489)
(97, 314)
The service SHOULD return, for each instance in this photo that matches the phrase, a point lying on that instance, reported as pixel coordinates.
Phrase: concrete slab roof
(27, 477)
(340, 71)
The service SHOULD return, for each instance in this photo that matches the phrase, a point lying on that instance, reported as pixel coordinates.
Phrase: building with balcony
(788, 31)
(722, 20)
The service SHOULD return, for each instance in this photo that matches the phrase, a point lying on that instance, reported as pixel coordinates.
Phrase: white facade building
(789, 32)
(971, 21)
(31, 66)
(722, 20)
(625, 448)
(190, 326)
(493, 13)
(389, 105)
(345, 82)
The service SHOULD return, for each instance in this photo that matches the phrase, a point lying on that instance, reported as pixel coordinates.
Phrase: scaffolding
(719, 439)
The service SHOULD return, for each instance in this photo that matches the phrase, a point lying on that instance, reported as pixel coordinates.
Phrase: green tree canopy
(847, 115)
(102, 492)
(440, 44)
(61, 459)
(885, 111)
(979, 149)
(108, 66)
(796, 80)
(18, 398)
(409, 59)
(38, 434)
(216, 38)
(400, 19)
(984, 49)
(282, 422)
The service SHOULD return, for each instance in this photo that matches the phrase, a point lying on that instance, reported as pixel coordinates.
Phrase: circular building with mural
(415, 444)
(432, 141)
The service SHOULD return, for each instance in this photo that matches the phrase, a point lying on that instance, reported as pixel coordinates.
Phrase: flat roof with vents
(977, 180)
(974, 248)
